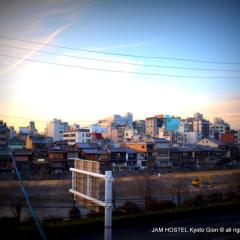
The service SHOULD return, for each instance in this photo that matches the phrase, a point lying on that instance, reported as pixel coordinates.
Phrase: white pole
(89, 185)
(73, 181)
(108, 208)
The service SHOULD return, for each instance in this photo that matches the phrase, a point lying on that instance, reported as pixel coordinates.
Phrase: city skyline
(184, 35)
(42, 124)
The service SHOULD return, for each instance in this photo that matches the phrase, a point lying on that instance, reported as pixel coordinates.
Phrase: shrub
(130, 208)
(96, 214)
(6, 221)
(74, 212)
(194, 202)
(231, 196)
(214, 198)
(154, 205)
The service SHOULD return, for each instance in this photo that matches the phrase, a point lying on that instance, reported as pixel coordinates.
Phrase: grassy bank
(62, 229)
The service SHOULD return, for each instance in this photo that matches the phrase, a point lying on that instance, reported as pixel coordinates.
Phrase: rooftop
(95, 151)
(86, 145)
(161, 140)
(122, 149)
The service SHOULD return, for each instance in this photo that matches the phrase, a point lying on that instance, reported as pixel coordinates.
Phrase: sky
(192, 48)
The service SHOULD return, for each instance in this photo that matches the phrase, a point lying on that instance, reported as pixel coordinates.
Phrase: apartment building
(56, 128)
(74, 136)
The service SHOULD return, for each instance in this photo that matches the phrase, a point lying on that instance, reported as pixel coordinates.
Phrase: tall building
(29, 130)
(56, 128)
(161, 124)
(202, 126)
(218, 128)
(193, 129)
(74, 126)
(32, 129)
(117, 121)
(79, 135)
(140, 126)
(198, 116)
(13, 132)
(129, 120)
(4, 136)
(171, 123)
(153, 124)
(184, 127)
(97, 128)
(199, 124)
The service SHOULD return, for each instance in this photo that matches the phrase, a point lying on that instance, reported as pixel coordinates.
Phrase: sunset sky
(174, 35)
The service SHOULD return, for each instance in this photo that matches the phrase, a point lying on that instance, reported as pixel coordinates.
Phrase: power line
(44, 121)
(120, 62)
(119, 54)
(120, 71)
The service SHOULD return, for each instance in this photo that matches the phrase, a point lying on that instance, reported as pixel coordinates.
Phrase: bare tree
(178, 186)
(12, 197)
(147, 186)
(115, 187)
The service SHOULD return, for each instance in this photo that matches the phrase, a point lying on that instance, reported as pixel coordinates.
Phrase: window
(117, 155)
(144, 163)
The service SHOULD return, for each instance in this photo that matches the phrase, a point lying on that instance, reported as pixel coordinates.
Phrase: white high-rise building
(129, 119)
(79, 135)
(56, 128)
(97, 128)
(117, 120)
(198, 116)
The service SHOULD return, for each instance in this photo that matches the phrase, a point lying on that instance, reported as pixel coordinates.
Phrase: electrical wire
(120, 71)
(44, 121)
(119, 54)
(119, 62)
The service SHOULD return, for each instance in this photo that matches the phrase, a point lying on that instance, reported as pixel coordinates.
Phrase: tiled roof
(122, 149)
(209, 149)
(87, 145)
(95, 151)
(193, 147)
(180, 149)
(22, 152)
(215, 141)
(161, 140)
(56, 150)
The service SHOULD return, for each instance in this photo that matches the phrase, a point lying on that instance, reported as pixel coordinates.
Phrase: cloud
(47, 40)
(63, 12)
(227, 108)
(124, 45)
